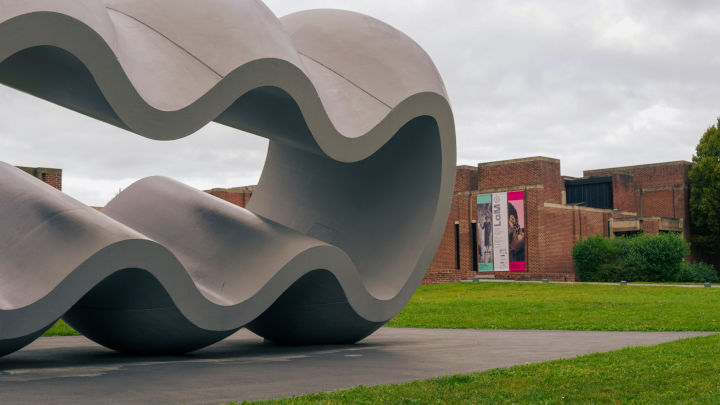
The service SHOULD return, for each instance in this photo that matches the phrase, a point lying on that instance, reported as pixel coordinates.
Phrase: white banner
(501, 251)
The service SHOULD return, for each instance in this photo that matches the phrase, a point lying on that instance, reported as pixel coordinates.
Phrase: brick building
(52, 177)
(559, 210)
(236, 195)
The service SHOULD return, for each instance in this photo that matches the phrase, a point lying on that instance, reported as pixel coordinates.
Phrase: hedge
(639, 258)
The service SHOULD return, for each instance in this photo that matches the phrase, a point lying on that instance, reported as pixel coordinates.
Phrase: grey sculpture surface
(348, 213)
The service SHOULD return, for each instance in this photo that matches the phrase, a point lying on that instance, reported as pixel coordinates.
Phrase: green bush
(639, 258)
(655, 258)
(593, 258)
(612, 272)
(697, 273)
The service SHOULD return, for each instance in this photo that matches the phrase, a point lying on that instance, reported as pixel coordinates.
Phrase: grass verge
(683, 371)
(579, 306)
(61, 329)
(514, 305)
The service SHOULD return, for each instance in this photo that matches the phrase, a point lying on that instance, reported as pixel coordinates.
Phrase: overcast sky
(593, 83)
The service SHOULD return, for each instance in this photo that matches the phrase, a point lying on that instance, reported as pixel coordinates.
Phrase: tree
(705, 192)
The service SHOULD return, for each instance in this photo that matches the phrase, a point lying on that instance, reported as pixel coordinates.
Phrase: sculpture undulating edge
(350, 220)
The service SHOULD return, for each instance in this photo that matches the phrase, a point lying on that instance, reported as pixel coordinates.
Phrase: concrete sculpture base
(344, 222)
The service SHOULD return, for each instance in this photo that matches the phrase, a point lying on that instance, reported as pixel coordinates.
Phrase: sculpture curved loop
(341, 228)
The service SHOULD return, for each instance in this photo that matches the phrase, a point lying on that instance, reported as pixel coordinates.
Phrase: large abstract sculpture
(343, 224)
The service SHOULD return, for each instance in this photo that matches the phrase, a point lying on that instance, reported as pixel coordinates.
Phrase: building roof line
(520, 160)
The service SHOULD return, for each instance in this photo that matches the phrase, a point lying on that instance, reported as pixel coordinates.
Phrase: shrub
(654, 258)
(697, 273)
(639, 258)
(612, 272)
(594, 258)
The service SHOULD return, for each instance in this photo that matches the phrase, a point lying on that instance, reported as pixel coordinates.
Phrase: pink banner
(516, 230)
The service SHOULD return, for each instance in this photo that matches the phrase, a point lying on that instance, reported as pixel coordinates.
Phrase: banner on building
(501, 232)
(501, 254)
(484, 232)
(516, 230)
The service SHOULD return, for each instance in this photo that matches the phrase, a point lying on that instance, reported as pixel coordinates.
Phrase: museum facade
(558, 211)
(518, 219)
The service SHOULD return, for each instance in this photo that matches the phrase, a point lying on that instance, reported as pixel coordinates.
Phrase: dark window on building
(457, 246)
(595, 192)
(473, 247)
(627, 233)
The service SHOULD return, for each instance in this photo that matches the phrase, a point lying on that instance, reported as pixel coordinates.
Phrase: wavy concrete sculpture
(343, 224)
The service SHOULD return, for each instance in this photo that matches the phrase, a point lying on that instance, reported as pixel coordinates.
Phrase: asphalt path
(73, 370)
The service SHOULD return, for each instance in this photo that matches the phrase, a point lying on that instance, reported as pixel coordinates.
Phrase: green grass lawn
(551, 306)
(562, 306)
(684, 371)
(61, 329)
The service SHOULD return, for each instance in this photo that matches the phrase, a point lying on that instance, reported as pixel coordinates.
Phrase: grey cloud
(594, 83)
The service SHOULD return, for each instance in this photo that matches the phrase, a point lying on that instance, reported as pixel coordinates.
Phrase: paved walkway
(73, 370)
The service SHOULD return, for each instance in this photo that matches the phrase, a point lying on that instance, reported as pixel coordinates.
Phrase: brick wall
(623, 189)
(559, 227)
(466, 178)
(533, 248)
(462, 212)
(538, 177)
(52, 177)
(518, 172)
(659, 189)
(659, 203)
(445, 255)
(650, 226)
(239, 195)
(557, 236)
(650, 175)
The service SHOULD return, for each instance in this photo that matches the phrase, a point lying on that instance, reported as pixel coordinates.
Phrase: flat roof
(520, 160)
(244, 189)
(34, 170)
(625, 168)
